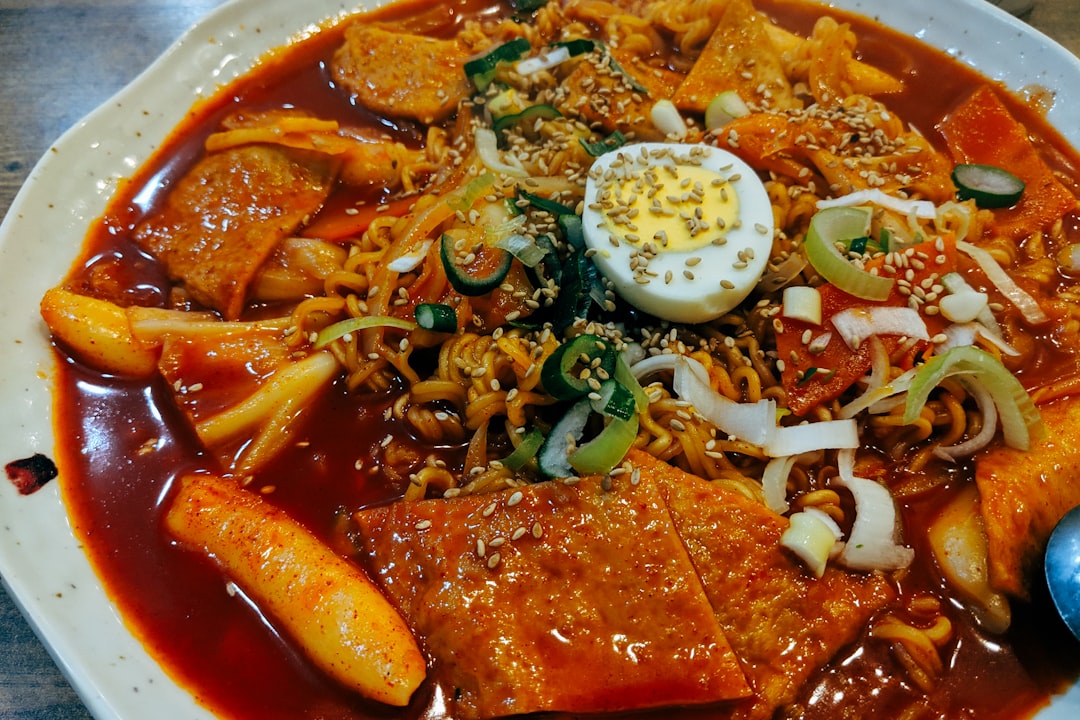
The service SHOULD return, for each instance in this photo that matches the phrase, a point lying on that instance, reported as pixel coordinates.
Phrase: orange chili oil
(122, 444)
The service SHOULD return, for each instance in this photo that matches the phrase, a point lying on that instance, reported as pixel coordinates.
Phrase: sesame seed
(514, 499)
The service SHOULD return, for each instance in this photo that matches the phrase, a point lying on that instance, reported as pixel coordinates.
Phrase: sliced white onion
(779, 275)
(410, 260)
(754, 423)
(949, 210)
(958, 335)
(964, 334)
(989, 412)
(995, 339)
(923, 209)
(487, 147)
(774, 483)
(859, 323)
(546, 60)
(875, 382)
(665, 116)
(644, 369)
(751, 422)
(1026, 304)
(872, 544)
(827, 434)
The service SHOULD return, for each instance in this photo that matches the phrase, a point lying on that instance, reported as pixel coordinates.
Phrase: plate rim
(210, 48)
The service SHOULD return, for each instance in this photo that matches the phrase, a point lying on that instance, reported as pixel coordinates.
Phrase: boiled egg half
(682, 232)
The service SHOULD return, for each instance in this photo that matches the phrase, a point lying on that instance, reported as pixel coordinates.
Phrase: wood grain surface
(59, 59)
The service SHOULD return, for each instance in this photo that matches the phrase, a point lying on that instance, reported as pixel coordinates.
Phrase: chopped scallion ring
(840, 225)
(525, 451)
(482, 69)
(340, 329)
(566, 372)
(436, 317)
(989, 186)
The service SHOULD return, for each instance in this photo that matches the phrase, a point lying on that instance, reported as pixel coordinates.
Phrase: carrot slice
(815, 373)
(982, 130)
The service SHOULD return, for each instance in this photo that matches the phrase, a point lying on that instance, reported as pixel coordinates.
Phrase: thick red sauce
(221, 648)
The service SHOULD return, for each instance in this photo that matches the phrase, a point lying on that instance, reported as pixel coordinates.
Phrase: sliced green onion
(667, 119)
(614, 400)
(546, 204)
(507, 102)
(810, 538)
(884, 238)
(1020, 421)
(724, 108)
(630, 79)
(612, 142)
(436, 317)
(481, 70)
(525, 451)
(606, 450)
(548, 58)
(497, 233)
(858, 245)
(526, 117)
(840, 225)
(625, 376)
(577, 289)
(989, 186)
(576, 46)
(523, 248)
(528, 5)
(562, 373)
(553, 458)
(572, 230)
(465, 282)
(343, 327)
(549, 270)
(487, 147)
(473, 191)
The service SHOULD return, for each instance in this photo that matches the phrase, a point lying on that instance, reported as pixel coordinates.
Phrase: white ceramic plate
(40, 560)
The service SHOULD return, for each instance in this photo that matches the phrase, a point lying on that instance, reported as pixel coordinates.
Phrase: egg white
(705, 270)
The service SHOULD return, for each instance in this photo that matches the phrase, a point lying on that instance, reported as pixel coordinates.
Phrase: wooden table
(59, 59)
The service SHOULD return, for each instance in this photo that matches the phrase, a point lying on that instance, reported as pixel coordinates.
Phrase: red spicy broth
(222, 649)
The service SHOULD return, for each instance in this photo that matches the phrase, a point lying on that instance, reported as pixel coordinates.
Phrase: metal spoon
(1063, 569)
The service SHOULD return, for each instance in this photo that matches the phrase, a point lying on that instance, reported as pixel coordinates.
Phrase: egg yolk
(681, 208)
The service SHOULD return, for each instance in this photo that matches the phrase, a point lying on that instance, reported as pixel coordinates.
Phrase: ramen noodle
(591, 357)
